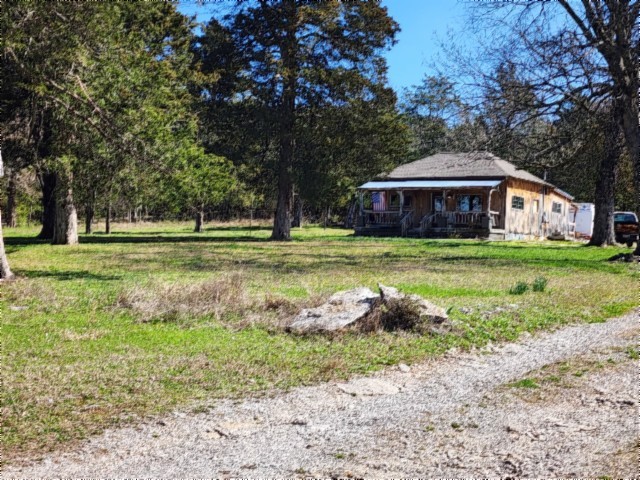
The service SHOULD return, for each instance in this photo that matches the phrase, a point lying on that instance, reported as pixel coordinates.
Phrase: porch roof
(418, 184)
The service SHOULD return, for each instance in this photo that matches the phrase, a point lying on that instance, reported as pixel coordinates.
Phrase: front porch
(473, 209)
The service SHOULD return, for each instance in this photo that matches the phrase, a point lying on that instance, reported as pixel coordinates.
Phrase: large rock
(342, 310)
(428, 312)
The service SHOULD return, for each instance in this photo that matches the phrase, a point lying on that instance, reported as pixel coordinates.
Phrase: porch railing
(391, 216)
(406, 222)
(425, 222)
(458, 219)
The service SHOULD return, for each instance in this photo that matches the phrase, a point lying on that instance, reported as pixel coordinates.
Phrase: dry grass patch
(23, 291)
(180, 302)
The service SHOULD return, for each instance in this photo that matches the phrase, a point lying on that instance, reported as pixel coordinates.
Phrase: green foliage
(430, 109)
(519, 288)
(202, 179)
(525, 383)
(342, 123)
(539, 284)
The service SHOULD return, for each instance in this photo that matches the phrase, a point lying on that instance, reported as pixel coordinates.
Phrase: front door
(438, 203)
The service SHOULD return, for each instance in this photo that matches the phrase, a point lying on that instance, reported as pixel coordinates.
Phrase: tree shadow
(140, 238)
(68, 275)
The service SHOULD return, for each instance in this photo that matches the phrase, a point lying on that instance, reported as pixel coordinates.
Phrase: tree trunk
(48, 184)
(5, 271)
(297, 212)
(89, 214)
(107, 224)
(199, 220)
(603, 231)
(282, 220)
(630, 125)
(12, 214)
(66, 225)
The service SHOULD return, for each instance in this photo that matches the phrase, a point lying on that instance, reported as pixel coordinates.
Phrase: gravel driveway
(451, 417)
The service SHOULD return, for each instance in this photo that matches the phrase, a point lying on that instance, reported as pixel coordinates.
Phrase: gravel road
(450, 417)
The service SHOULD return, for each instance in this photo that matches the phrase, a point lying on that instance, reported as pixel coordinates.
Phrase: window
(408, 200)
(556, 207)
(517, 203)
(469, 203)
(625, 218)
(438, 204)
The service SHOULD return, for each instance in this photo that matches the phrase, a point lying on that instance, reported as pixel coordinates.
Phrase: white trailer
(584, 215)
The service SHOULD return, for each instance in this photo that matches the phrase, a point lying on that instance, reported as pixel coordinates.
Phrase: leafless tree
(563, 55)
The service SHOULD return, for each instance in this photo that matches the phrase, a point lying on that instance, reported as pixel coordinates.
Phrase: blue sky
(422, 23)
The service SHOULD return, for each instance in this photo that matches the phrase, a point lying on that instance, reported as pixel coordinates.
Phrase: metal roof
(399, 184)
(563, 193)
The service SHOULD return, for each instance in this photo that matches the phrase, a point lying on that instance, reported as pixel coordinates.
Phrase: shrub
(519, 288)
(398, 314)
(539, 284)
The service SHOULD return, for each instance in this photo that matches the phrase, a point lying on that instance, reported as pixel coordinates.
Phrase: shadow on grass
(68, 275)
(140, 238)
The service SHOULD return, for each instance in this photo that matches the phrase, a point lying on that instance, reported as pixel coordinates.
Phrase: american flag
(379, 201)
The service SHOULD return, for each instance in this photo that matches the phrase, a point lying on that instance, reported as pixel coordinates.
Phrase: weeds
(178, 302)
(633, 353)
(524, 383)
(539, 284)
(519, 288)
(402, 314)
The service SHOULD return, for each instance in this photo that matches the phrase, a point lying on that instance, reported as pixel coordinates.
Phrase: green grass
(92, 349)
(524, 383)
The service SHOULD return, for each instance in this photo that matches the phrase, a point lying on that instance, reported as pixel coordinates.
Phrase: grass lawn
(154, 316)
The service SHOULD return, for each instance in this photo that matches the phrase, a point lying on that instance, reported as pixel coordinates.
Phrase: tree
(203, 181)
(103, 73)
(431, 110)
(567, 55)
(5, 271)
(300, 55)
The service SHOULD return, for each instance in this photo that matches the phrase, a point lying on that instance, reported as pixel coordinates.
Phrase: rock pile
(362, 308)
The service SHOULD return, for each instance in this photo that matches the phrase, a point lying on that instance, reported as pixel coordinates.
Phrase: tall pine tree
(303, 55)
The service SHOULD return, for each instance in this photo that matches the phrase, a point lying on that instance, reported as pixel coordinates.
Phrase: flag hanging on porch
(379, 201)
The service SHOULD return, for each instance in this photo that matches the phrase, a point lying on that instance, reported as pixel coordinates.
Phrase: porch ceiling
(419, 184)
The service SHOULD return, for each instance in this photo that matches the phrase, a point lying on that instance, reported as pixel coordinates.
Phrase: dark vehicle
(625, 225)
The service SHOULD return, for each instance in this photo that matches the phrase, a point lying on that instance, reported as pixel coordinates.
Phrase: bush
(539, 284)
(519, 288)
(398, 314)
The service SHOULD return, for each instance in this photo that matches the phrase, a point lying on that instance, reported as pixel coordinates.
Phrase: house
(475, 195)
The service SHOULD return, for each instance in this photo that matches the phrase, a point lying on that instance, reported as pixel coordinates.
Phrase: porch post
(401, 194)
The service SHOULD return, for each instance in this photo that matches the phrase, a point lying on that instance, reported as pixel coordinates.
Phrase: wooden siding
(422, 200)
(537, 199)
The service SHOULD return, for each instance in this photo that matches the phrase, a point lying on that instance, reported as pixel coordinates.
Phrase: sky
(423, 24)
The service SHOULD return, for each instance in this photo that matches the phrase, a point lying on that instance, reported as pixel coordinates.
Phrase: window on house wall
(469, 203)
(556, 207)
(394, 201)
(517, 203)
(408, 200)
(438, 204)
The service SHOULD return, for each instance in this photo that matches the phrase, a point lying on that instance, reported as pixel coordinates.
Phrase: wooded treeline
(284, 107)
